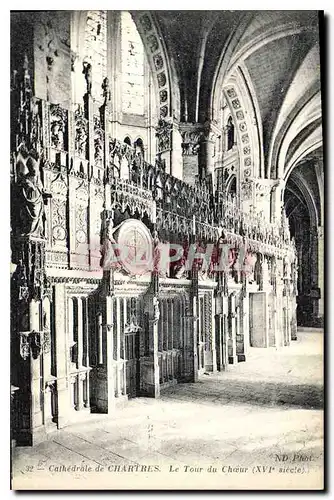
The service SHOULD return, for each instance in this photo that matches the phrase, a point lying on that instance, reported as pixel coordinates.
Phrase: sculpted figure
(31, 201)
(109, 252)
(87, 71)
(156, 308)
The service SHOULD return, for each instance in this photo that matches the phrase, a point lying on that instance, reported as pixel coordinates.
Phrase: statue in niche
(156, 310)
(87, 71)
(31, 200)
(106, 90)
(57, 138)
(81, 140)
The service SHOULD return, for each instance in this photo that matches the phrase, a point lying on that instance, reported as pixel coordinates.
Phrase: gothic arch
(222, 66)
(246, 120)
(299, 181)
(312, 142)
(301, 106)
(275, 32)
(158, 60)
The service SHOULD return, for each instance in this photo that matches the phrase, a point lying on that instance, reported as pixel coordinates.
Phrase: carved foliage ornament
(191, 142)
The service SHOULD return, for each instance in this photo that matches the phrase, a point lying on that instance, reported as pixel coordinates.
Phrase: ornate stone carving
(58, 210)
(161, 77)
(163, 111)
(146, 23)
(247, 189)
(58, 121)
(98, 142)
(30, 198)
(81, 132)
(163, 134)
(163, 96)
(106, 90)
(156, 310)
(153, 43)
(231, 93)
(30, 342)
(87, 71)
(191, 142)
(24, 345)
(158, 62)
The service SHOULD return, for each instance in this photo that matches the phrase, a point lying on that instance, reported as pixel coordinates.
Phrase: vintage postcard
(167, 248)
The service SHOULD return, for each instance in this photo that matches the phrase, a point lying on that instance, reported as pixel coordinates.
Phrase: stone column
(118, 346)
(276, 200)
(219, 332)
(48, 380)
(109, 352)
(61, 355)
(79, 385)
(35, 369)
(232, 357)
(149, 360)
(191, 135)
(207, 153)
(210, 354)
(176, 155)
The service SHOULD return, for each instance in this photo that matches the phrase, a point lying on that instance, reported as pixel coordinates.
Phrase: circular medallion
(81, 236)
(135, 247)
(58, 233)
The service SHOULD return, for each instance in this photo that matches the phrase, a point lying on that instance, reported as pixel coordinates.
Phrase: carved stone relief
(58, 123)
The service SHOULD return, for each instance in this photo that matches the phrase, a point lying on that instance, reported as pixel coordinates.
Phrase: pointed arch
(158, 60)
(247, 123)
(301, 106)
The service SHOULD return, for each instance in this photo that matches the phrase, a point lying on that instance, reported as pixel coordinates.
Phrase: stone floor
(259, 425)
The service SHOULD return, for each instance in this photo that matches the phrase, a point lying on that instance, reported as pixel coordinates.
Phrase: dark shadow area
(256, 393)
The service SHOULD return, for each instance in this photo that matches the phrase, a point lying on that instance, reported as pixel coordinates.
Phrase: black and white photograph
(167, 224)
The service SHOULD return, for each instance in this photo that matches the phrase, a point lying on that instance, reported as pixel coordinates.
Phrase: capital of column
(191, 134)
(211, 132)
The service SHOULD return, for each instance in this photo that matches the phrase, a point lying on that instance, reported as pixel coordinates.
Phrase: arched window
(95, 50)
(229, 134)
(139, 146)
(133, 67)
(127, 140)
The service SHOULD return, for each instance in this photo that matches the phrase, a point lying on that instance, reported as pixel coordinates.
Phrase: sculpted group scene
(167, 206)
